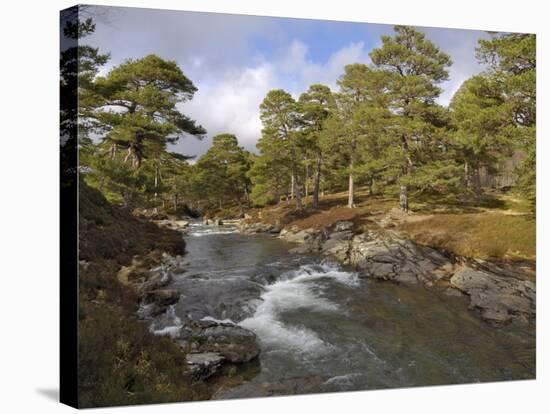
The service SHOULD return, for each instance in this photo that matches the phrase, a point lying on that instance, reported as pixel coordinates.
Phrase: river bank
(176, 310)
(126, 264)
(499, 292)
(321, 326)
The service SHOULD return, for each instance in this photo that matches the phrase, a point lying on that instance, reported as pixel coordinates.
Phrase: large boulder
(499, 298)
(162, 297)
(181, 223)
(337, 248)
(301, 236)
(234, 343)
(397, 260)
(258, 227)
(338, 242)
(204, 364)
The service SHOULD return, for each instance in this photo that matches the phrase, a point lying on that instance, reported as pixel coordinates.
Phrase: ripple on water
(294, 291)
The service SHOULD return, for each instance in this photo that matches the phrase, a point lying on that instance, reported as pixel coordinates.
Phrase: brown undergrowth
(120, 362)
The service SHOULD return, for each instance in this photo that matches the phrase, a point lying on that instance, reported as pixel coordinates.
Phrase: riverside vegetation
(375, 174)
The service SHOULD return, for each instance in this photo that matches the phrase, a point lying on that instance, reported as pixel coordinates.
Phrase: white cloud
(230, 103)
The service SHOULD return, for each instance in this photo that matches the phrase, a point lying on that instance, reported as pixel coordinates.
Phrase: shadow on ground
(49, 393)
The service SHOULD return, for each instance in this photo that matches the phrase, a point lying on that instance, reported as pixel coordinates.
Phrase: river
(316, 319)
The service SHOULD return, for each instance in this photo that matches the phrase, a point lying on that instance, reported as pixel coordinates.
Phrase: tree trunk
(351, 201)
(129, 155)
(351, 187)
(467, 175)
(241, 209)
(156, 182)
(403, 199)
(371, 187)
(247, 195)
(112, 151)
(316, 182)
(297, 192)
(477, 182)
(306, 186)
(175, 202)
(292, 186)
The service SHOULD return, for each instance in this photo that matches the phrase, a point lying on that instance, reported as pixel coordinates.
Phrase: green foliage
(512, 66)
(120, 362)
(418, 141)
(281, 146)
(145, 93)
(222, 170)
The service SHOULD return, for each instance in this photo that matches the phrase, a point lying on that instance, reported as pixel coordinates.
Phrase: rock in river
(235, 344)
(499, 298)
(204, 364)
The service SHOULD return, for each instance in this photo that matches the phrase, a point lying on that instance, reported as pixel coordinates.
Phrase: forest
(382, 130)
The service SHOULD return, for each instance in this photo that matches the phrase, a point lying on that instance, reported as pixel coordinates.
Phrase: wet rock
(304, 248)
(499, 298)
(338, 249)
(338, 241)
(181, 223)
(258, 227)
(234, 343)
(156, 281)
(204, 364)
(302, 236)
(163, 298)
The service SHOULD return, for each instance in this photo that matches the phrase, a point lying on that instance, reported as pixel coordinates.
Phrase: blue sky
(234, 60)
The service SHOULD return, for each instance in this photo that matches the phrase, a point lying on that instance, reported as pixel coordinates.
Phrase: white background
(29, 205)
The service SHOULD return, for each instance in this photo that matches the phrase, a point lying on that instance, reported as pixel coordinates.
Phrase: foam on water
(201, 230)
(211, 319)
(173, 329)
(293, 291)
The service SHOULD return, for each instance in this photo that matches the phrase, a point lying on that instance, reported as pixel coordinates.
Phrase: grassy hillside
(497, 227)
(120, 361)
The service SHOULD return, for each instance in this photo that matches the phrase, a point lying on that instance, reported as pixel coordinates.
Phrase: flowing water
(317, 320)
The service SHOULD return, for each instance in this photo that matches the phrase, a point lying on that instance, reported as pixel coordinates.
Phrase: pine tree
(415, 67)
(224, 168)
(512, 66)
(349, 133)
(282, 145)
(478, 120)
(316, 104)
(136, 104)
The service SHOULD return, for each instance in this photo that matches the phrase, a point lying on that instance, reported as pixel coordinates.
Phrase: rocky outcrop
(162, 297)
(308, 240)
(234, 343)
(258, 227)
(337, 243)
(397, 260)
(211, 344)
(212, 221)
(499, 298)
(173, 224)
(500, 294)
(205, 364)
